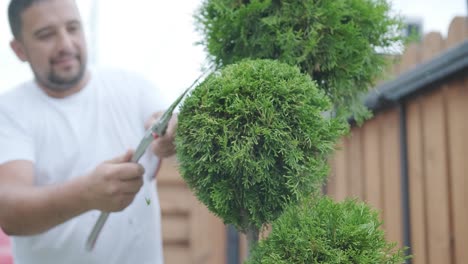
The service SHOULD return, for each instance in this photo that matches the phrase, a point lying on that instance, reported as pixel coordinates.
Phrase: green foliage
(253, 138)
(323, 231)
(333, 41)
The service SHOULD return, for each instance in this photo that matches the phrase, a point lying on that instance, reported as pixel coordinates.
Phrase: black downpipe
(405, 181)
(232, 245)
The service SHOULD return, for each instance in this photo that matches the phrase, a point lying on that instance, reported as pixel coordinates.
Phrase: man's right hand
(28, 209)
(112, 186)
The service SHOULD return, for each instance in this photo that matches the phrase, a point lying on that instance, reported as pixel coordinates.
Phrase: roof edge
(420, 78)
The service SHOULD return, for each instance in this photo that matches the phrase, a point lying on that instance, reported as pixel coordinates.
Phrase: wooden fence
(429, 133)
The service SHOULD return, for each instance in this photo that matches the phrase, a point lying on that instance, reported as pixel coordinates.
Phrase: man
(64, 148)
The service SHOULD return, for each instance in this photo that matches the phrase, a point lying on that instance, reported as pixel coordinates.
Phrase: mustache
(64, 56)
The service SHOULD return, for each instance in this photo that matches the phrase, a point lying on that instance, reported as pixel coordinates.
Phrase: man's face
(53, 42)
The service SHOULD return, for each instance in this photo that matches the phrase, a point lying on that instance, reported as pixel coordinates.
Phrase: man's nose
(65, 41)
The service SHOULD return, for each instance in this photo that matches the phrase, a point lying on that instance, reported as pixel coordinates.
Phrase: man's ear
(18, 48)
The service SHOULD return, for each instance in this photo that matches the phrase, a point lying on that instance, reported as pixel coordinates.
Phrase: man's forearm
(29, 210)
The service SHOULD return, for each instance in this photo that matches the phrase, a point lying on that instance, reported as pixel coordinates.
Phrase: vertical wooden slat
(391, 176)
(341, 184)
(417, 198)
(432, 45)
(354, 154)
(436, 170)
(457, 108)
(458, 31)
(411, 57)
(207, 236)
(372, 165)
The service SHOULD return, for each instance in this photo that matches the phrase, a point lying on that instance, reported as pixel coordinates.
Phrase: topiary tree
(252, 139)
(335, 42)
(322, 231)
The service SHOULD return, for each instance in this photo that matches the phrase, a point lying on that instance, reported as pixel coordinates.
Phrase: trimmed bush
(253, 138)
(335, 42)
(323, 231)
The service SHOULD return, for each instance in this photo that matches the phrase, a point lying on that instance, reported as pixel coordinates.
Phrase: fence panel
(436, 170)
(341, 170)
(392, 214)
(437, 145)
(417, 182)
(372, 155)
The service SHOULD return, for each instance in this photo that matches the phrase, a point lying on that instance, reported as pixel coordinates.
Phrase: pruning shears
(158, 129)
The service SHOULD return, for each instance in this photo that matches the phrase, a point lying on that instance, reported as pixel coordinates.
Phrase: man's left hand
(163, 146)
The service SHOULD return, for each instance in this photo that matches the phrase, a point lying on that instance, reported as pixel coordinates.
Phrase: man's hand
(164, 146)
(27, 209)
(112, 186)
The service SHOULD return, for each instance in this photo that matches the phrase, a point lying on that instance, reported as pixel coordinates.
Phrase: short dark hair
(15, 9)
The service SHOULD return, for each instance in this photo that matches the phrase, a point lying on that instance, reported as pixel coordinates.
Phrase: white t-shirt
(69, 137)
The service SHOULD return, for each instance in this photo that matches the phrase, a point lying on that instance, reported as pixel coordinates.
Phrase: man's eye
(73, 28)
(45, 36)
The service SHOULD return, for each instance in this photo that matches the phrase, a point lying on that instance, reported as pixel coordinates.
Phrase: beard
(60, 83)
(57, 82)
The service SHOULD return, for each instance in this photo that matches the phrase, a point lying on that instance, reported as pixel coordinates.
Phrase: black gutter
(420, 78)
(405, 201)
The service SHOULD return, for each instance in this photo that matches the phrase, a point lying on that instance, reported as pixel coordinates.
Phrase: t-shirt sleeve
(16, 143)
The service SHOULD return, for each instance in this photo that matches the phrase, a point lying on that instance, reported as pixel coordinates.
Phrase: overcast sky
(156, 38)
